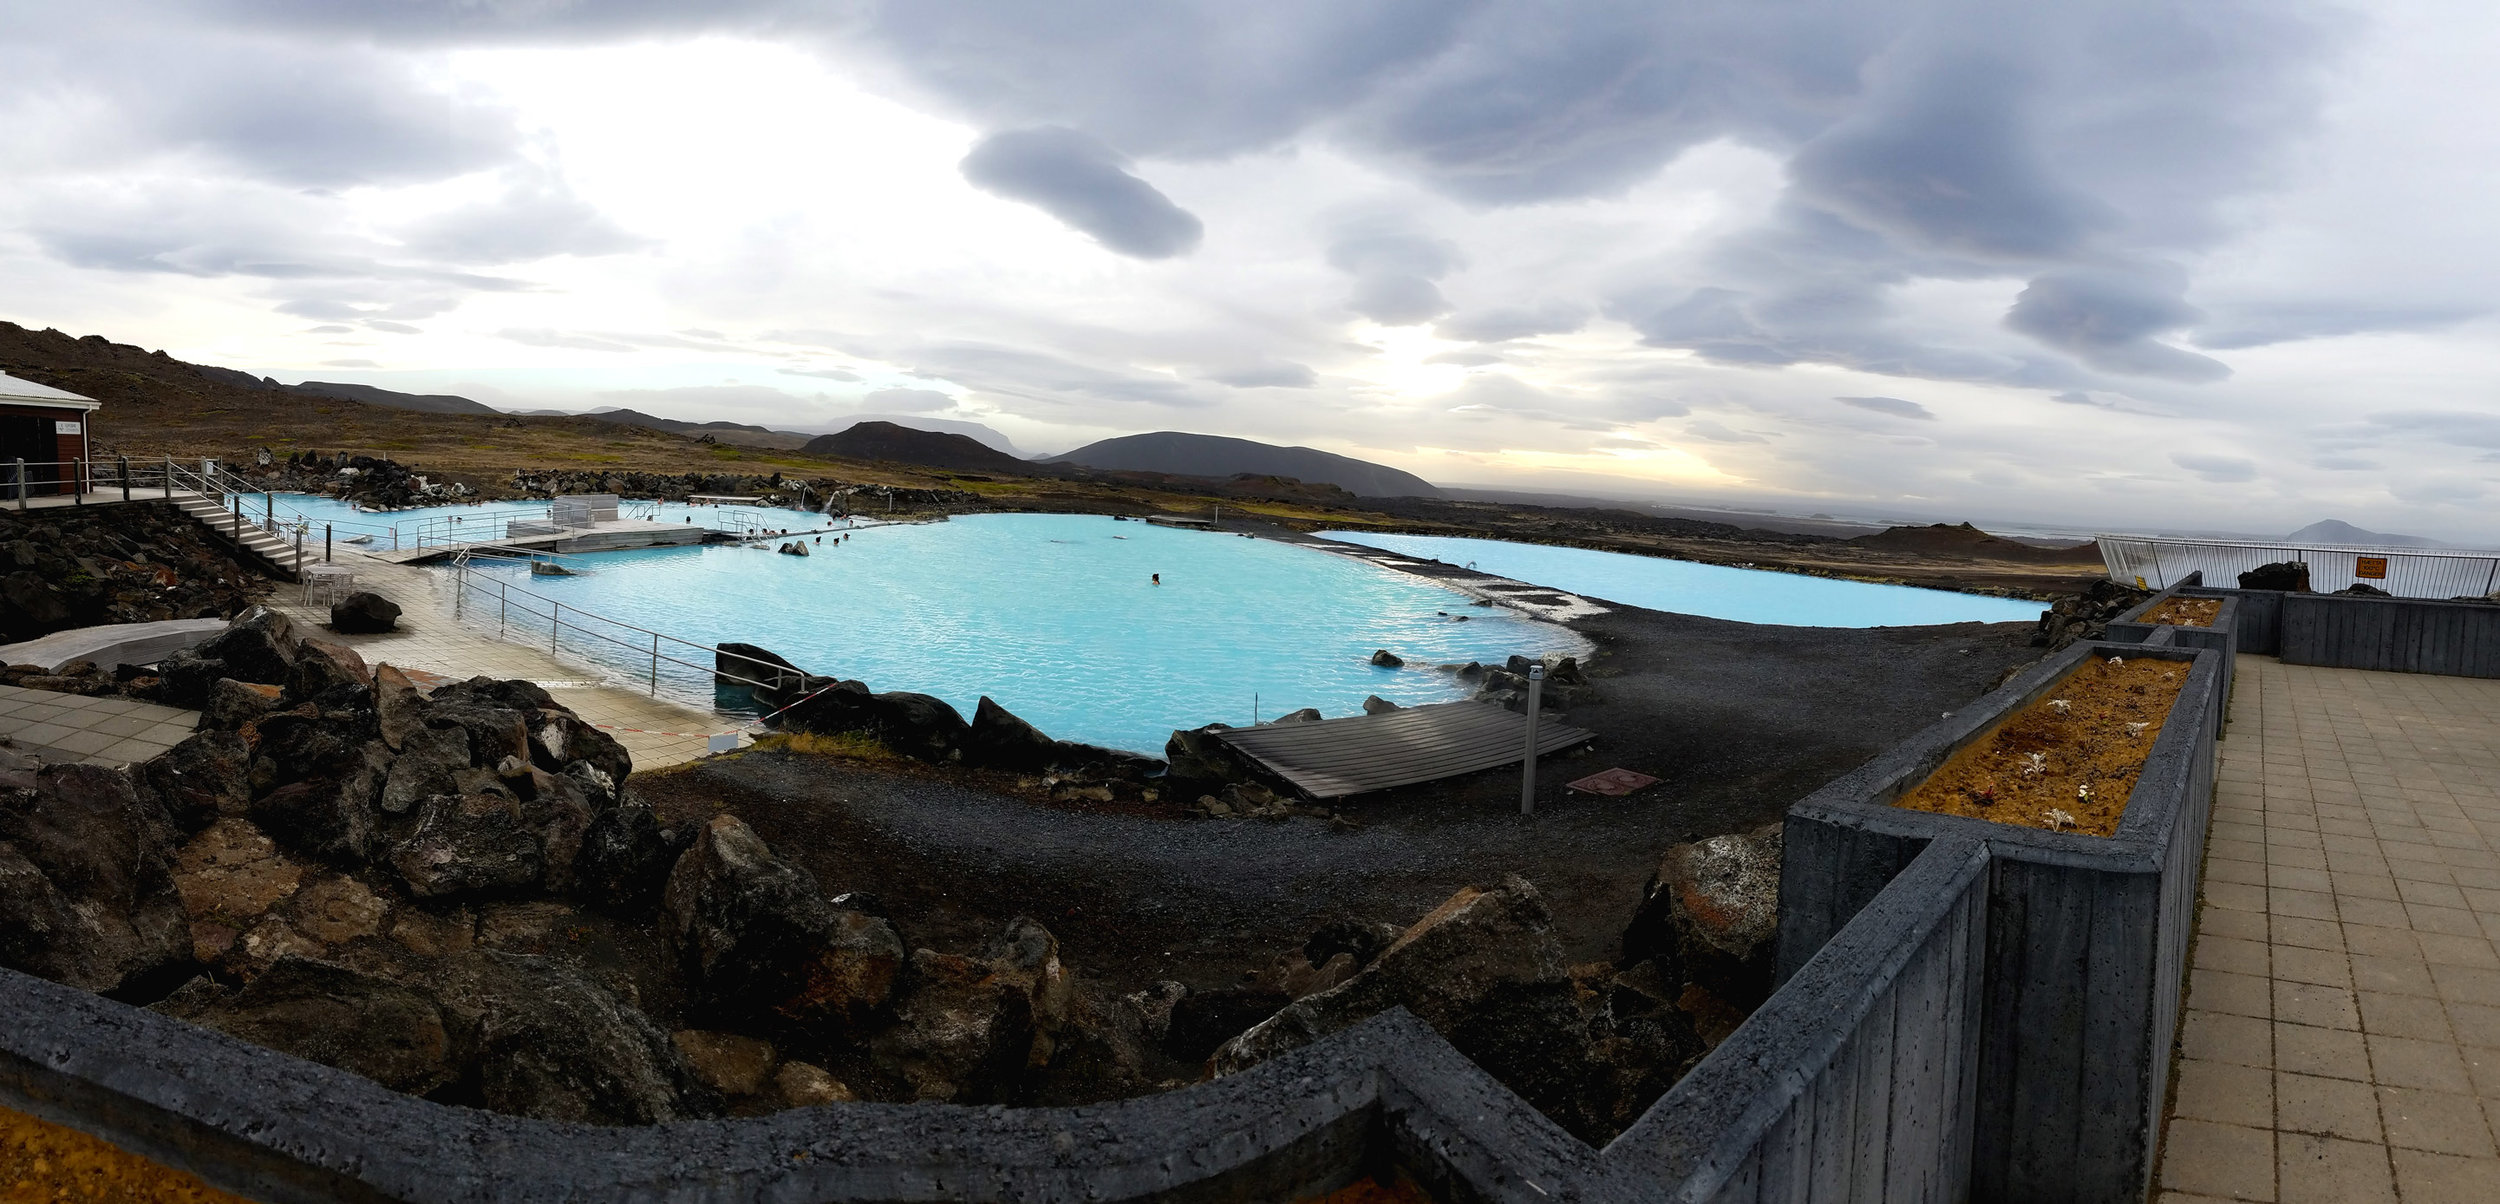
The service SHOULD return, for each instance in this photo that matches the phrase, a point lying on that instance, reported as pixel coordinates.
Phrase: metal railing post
(555, 627)
(655, 664)
(325, 543)
(123, 462)
(503, 606)
(1527, 766)
(21, 482)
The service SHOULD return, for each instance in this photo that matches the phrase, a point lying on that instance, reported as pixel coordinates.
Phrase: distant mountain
(1963, 539)
(676, 425)
(949, 426)
(1181, 454)
(759, 436)
(2338, 531)
(895, 444)
(424, 403)
(430, 403)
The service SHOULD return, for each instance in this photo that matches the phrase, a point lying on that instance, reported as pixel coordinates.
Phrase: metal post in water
(268, 510)
(1527, 766)
(655, 664)
(325, 543)
(503, 600)
(555, 626)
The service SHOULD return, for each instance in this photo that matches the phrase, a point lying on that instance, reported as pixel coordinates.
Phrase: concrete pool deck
(2342, 1038)
(656, 731)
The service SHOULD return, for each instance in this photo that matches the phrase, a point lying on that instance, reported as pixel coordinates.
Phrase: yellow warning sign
(2373, 568)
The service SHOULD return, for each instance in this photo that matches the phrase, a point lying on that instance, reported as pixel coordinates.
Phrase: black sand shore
(1737, 720)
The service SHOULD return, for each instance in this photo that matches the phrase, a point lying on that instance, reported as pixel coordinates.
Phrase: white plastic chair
(328, 584)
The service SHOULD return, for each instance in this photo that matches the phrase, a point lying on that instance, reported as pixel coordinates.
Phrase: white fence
(2404, 572)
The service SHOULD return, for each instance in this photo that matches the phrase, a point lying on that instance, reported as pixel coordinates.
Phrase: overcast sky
(2223, 265)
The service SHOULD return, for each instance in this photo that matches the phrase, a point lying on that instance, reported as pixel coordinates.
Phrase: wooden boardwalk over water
(1332, 758)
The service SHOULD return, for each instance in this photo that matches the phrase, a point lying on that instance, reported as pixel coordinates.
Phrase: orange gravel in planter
(2079, 760)
(43, 1161)
(2185, 612)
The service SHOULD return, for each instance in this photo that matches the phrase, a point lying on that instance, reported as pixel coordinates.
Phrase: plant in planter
(2184, 612)
(2067, 763)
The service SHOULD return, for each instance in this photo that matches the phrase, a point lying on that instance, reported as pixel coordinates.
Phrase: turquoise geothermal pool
(1744, 595)
(1055, 616)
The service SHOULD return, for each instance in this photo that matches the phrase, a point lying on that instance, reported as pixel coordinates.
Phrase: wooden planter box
(2087, 936)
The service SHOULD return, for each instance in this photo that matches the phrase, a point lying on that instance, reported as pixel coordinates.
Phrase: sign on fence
(2371, 567)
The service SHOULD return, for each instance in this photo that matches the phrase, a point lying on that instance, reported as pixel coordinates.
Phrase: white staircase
(275, 554)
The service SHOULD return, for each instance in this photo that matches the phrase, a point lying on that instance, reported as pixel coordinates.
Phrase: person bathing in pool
(1158, 578)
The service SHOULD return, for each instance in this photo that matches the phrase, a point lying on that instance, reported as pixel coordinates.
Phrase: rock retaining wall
(1968, 1011)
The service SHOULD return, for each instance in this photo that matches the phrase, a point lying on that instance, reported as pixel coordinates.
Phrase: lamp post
(1527, 764)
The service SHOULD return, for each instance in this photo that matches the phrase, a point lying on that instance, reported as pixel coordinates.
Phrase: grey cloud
(1038, 376)
(349, 364)
(2077, 397)
(908, 401)
(1703, 428)
(535, 218)
(1892, 406)
(2436, 491)
(392, 327)
(330, 329)
(558, 338)
(2109, 319)
(1394, 270)
(1080, 181)
(1182, 77)
(1271, 374)
(1467, 359)
(2262, 326)
(2462, 427)
(323, 116)
(1515, 322)
(2223, 470)
(1945, 159)
(823, 373)
(2342, 463)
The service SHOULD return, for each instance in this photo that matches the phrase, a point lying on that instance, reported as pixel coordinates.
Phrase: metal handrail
(509, 599)
(2405, 572)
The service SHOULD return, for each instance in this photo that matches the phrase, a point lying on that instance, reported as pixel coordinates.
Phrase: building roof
(26, 392)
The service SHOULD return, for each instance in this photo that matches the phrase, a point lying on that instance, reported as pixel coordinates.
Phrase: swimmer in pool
(1158, 578)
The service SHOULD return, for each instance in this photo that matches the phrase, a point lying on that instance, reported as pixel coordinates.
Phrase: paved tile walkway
(2342, 1040)
(102, 731)
(656, 731)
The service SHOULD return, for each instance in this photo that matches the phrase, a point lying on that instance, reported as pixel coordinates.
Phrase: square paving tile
(2378, 823)
(2332, 1169)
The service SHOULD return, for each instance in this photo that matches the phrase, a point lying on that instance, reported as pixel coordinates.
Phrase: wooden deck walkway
(1332, 758)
